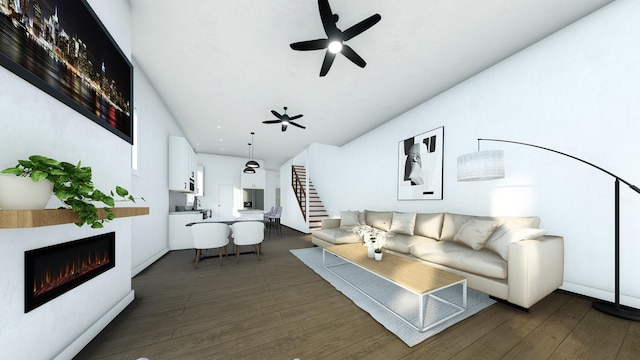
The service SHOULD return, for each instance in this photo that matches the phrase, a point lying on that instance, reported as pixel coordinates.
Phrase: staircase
(317, 212)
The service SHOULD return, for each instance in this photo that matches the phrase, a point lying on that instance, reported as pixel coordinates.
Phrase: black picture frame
(421, 166)
(63, 48)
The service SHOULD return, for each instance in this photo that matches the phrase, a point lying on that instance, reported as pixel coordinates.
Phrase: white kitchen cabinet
(253, 181)
(180, 234)
(183, 165)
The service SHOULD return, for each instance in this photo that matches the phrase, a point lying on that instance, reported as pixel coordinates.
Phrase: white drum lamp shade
(481, 165)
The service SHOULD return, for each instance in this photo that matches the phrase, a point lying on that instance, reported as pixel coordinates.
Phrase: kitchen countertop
(199, 211)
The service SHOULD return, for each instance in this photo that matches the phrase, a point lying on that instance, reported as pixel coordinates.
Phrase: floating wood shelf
(13, 219)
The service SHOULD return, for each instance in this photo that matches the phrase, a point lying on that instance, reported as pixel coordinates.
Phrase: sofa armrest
(330, 223)
(535, 269)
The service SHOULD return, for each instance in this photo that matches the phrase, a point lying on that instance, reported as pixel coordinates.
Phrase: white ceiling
(222, 66)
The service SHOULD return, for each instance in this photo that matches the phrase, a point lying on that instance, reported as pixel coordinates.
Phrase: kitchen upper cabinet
(183, 165)
(253, 181)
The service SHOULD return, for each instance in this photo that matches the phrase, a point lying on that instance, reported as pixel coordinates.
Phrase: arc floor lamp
(489, 164)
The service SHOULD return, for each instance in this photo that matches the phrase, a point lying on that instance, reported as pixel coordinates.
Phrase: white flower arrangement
(371, 235)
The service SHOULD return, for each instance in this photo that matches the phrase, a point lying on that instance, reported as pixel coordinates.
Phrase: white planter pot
(378, 256)
(22, 193)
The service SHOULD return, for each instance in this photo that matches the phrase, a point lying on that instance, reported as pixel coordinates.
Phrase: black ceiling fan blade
(272, 121)
(298, 125)
(310, 45)
(275, 113)
(296, 117)
(284, 127)
(326, 64)
(353, 56)
(360, 27)
(327, 17)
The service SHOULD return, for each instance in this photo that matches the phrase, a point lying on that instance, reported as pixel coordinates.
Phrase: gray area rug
(394, 297)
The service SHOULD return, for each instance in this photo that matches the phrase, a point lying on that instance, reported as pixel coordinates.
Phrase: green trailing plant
(73, 185)
(378, 250)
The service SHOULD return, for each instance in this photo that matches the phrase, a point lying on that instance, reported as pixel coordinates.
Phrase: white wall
(227, 170)
(32, 122)
(272, 181)
(575, 91)
(155, 125)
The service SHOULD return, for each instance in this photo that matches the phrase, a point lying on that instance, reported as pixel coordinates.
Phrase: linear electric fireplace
(52, 271)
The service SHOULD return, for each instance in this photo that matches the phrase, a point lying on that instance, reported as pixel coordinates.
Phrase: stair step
(317, 212)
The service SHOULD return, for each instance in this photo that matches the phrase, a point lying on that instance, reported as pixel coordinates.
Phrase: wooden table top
(411, 274)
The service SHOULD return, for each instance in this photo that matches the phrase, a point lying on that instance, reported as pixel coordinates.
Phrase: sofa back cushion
(452, 222)
(403, 223)
(349, 219)
(428, 225)
(379, 219)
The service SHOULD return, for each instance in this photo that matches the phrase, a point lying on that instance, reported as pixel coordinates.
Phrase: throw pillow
(428, 225)
(474, 233)
(403, 223)
(379, 219)
(349, 219)
(508, 233)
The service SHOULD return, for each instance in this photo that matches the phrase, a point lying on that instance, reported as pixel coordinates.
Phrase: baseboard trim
(138, 269)
(599, 294)
(85, 338)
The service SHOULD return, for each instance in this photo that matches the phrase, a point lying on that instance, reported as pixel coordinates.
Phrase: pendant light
(251, 163)
(247, 169)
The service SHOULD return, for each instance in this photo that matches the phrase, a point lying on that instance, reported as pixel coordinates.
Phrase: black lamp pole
(614, 309)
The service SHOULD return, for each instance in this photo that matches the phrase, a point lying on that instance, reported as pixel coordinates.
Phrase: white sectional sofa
(509, 258)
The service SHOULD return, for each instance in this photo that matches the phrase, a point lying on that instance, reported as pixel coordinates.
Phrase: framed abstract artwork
(420, 166)
(62, 48)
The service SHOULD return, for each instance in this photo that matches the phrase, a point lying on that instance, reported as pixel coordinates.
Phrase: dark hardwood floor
(280, 309)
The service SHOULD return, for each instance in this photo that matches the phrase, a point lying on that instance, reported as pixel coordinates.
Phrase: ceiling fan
(334, 43)
(284, 119)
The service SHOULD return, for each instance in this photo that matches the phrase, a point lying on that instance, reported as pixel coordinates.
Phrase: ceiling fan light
(335, 46)
(249, 170)
(252, 164)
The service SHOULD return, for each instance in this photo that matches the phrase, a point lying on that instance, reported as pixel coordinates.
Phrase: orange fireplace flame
(52, 278)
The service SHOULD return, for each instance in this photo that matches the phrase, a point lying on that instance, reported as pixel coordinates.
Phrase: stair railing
(299, 190)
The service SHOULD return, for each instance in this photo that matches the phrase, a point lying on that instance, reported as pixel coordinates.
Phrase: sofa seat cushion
(403, 243)
(481, 262)
(337, 236)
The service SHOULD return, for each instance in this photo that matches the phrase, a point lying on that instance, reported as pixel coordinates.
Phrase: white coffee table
(416, 277)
